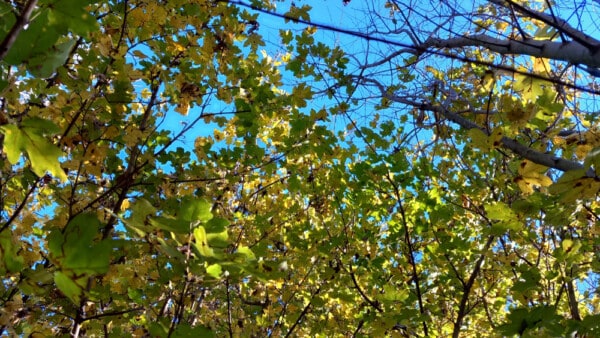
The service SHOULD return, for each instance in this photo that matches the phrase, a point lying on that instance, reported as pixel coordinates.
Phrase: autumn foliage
(184, 169)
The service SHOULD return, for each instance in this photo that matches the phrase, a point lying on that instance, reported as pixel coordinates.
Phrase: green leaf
(10, 260)
(529, 87)
(135, 294)
(499, 211)
(574, 185)
(91, 259)
(394, 294)
(40, 126)
(44, 65)
(195, 209)
(202, 242)
(67, 286)
(214, 270)
(545, 32)
(505, 217)
(77, 250)
(170, 224)
(568, 250)
(140, 211)
(481, 140)
(216, 225)
(217, 239)
(35, 40)
(525, 320)
(159, 328)
(592, 159)
(528, 280)
(71, 16)
(170, 250)
(246, 253)
(42, 154)
(121, 92)
(7, 14)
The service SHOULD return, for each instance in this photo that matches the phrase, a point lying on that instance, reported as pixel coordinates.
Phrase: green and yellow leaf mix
(183, 169)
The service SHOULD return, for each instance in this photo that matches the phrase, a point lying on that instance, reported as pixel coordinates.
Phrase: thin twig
(110, 314)
(424, 48)
(462, 308)
(22, 21)
(374, 304)
(21, 206)
(303, 313)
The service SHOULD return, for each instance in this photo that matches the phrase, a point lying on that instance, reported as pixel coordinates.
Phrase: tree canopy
(227, 168)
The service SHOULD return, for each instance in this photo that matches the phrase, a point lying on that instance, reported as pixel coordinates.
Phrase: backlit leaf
(201, 242)
(44, 156)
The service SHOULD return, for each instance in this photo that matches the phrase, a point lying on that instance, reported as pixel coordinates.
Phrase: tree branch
(573, 306)
(303, 313)
(547, 160)
(573, 51)
(411, 253)
(412, 49)
(22, 21)
(109, 314)
(374, 304)
(21, 206)
(229, 329)
(462, 309)
(561, 25)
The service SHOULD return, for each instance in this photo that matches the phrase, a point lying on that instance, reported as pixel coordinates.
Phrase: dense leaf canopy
(225, 168)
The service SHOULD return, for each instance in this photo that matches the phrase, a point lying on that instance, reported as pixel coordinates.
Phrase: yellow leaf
(574, 185)
(488, 80)
(479, 139)
(485, 142)
(582, 150)
(125, 205)
(496, 137)
(132, 136)
(527, 168)
(541, 65)
(105, 45)
(146, 93)
(311, 29)
(179, 47)
(501, 25)
(592, 137)
(183, 107)
(531, 175)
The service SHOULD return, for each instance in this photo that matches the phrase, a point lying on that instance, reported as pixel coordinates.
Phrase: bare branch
(420, 49)
(573, 52)
(548, 160)
(558, 23)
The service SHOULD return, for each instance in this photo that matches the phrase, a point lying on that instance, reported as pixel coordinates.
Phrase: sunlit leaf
(201, 242)
(214, 270)
(44, 156)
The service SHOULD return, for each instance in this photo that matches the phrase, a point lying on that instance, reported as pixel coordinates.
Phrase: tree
(458, 197)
